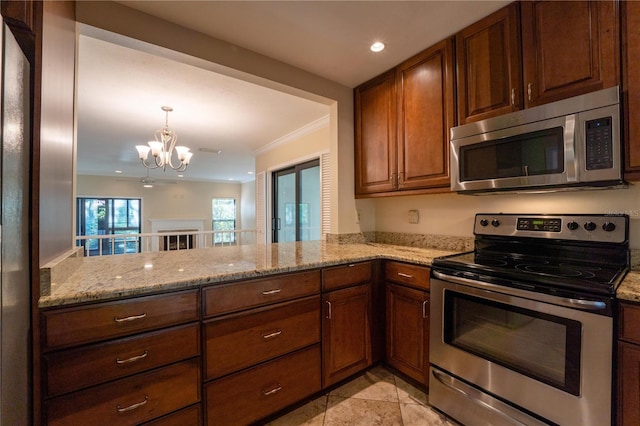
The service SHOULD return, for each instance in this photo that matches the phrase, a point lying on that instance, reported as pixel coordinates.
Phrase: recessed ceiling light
(378, 46)
(250, 173)
(118, 171)
(180, 176)
(146, 185)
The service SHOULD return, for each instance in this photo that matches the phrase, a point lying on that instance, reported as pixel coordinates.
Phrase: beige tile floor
(377, 397)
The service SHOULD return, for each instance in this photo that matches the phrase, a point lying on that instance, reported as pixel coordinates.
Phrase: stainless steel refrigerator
(15, 293)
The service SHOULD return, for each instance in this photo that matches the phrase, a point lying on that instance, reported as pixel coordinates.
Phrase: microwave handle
(570, 163)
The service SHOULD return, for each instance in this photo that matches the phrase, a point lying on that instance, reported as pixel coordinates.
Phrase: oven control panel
(579, 227)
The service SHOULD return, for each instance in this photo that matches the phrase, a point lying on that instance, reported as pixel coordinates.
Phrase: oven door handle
(449, 383)
(582, 304)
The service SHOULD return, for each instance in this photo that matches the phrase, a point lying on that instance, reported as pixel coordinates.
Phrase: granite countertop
(102, 278)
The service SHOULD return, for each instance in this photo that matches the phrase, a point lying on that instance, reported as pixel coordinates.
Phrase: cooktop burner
(551, 251)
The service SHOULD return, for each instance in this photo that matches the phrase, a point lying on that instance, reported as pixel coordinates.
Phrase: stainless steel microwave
(573, 143)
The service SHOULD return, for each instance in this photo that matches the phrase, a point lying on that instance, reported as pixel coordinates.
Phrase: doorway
(297, 203)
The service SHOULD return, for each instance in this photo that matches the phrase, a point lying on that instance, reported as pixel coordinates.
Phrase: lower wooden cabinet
(131, 400)
(346, 333)
(245, 397)
(408, 331)
(628, 365)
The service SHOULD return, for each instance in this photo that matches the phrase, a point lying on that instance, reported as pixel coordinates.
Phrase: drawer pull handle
(132, 359)
(351, 265)
(131, 318)
(400, 274)
(328, 310)
(272, 335)
(424, 309)
(133, 406)
(274, 291)
(272, 391)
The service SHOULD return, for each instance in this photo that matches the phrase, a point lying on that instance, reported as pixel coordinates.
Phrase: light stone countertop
(108, 277)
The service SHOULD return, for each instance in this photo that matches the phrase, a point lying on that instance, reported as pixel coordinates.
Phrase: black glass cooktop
(576, 274)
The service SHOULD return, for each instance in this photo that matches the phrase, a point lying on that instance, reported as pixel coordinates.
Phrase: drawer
(248, 396)
(629, 328)
(346, 275)
(74, 369)
(189, 416)
(242, 340)
(129, 401)
(92, 323)
(249, 294)
(408, 274)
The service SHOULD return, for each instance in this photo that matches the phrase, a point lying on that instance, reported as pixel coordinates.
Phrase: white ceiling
(121, 90)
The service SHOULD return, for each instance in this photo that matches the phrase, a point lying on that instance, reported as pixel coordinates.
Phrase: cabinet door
(346, 335)
(569, 48)
(375, 135)
(408, 331)
(631, 86)
(628, 384)
(425, 115)
(489, 66)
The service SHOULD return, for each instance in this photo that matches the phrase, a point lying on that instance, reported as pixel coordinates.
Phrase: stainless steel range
(522, 327)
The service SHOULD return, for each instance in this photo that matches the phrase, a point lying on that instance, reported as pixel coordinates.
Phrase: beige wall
(452, 214)
(294, 151)
(183, 200)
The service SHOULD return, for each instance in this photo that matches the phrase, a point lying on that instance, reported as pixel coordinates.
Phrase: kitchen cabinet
(402, 126)
(568, 48)
(261, 346)
(122, 362)
(628, 374)
(346, 321)
(375, 136)
(407, 313)
(489, 66)
(630, 12)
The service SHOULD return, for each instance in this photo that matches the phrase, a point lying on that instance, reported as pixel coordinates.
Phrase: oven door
(551, 360)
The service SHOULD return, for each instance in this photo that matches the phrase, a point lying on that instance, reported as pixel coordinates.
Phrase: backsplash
(440, 242)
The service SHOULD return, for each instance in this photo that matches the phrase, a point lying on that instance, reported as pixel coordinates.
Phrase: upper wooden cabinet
(569, 48)
(489, 66)
(402, 121)
(631, 86)
(375, 134)
(426, 112)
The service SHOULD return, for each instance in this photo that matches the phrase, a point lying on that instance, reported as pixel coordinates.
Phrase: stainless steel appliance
(566, 144)
(521, 328)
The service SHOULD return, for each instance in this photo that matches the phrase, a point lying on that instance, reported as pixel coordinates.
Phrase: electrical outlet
(414, 217)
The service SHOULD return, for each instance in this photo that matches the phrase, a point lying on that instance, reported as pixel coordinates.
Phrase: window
(224, 219)
(108, 216)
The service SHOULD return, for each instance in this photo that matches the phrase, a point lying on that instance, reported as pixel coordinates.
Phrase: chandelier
(162, 149)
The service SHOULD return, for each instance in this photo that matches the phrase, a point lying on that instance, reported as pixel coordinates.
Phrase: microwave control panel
(599, 144)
